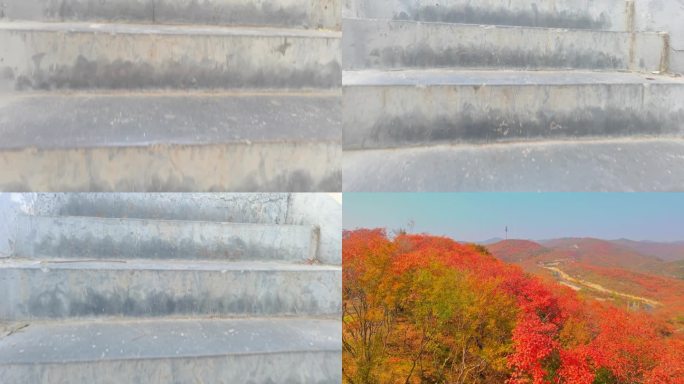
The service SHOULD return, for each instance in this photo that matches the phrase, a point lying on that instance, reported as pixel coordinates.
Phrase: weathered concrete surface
(325, 213)
(175, 351)
(99, 238)
(187, 141)
(286, 13)
(408, 108)
(10, 211)
(321, 211)
(92, 119)
(664, 15)
(115, 56)
(619, 165)
(256, 208)
(297, 166)
(584, 14)
(386, 44)
(143, 288)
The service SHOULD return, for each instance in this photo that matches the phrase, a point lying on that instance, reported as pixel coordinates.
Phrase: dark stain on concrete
(57, 304)
(119, 74)
(130, 247)
(501, 16)
(8, 73)
(479, 56)
(295, 181)
(168, 11)
(497, 126)
(287, 181)
(227, 208)
(224, 13)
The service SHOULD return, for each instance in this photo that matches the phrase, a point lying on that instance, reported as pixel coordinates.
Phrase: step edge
(593, 140)
(116, 28)
(20, 263)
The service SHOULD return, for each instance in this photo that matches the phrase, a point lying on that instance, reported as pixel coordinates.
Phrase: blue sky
(536, 216)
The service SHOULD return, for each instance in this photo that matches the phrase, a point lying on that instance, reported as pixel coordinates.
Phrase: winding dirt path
(596, 287)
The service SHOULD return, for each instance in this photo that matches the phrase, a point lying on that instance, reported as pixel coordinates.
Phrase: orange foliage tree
(425, 309)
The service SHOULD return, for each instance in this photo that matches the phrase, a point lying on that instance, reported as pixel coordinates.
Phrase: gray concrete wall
(283, 368)
(261, 166)
(382, 44)
(320, 210)
(668, 16)
(12, 206)
(398, 109)
(289, 13)
(34, 290)
(585, 14)
(257, 208)
(97, 238)
(85, 56)
(325, 212)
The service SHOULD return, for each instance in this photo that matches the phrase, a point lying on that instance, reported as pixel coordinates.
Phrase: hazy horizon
(479, 217)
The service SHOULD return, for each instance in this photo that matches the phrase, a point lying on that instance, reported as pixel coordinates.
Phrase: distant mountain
(490, 241)
(602, 253)
(664, 259)
(663, 251)
(516, 251)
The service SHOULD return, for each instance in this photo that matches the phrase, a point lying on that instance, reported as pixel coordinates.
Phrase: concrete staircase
(170, 95)
(173, 289)
(500, 95)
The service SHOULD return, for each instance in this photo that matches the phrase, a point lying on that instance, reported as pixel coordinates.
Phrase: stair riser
(287, 13)
(35, 59)
(308, 367)
(91, 238)
(256, 208)
(585, 14)
(32, 293)
(394, 116)
(257, 167)
(394, 44)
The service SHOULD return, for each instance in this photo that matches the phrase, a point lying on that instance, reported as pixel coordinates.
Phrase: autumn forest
(425, 309)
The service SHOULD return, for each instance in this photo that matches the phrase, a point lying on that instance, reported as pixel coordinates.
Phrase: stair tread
(446, 77)
(166, 265)
(167, 338)
(117, 119)
(626, 164)
(165, 29)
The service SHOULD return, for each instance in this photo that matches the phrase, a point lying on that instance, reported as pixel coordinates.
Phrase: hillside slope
(419, 308)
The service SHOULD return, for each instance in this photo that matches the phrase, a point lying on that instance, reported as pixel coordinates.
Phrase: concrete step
(285, 13)
(123, 239)
(614, 15)
(170, 141)
(134, 56)
(59, 289)
(175, 351)
(616, 165)
(255, 208)
(387, 44)
(417, 107)
(319, 210)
